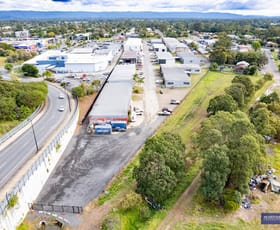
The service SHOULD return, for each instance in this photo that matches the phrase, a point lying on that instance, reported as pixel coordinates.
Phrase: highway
(13, 157)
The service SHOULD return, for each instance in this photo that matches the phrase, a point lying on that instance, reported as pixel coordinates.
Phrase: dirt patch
(84, 106)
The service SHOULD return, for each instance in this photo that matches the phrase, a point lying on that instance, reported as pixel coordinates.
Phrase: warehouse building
(123, 73)
(165, 58)
(175, 76)
(112, 103)
(129, 57)
(159, 47)
(174, 45)
(188, 58)
(133, 44)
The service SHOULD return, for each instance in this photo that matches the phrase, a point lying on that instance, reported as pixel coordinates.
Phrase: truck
(103, 129)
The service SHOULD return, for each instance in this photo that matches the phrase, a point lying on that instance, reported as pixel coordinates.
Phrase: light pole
(34, 135)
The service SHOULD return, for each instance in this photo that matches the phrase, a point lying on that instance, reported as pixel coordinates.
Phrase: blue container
(103, 129)
(118, 125)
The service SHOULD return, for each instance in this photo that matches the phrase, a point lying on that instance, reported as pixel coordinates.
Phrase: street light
(34, 135)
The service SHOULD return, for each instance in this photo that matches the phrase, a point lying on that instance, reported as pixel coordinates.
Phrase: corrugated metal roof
(123, 72)
(173, 73)
(113, 101)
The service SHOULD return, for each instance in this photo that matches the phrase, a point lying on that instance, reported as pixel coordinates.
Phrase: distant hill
(67, 15)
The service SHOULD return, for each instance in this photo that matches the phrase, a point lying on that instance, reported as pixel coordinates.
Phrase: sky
(244, 7)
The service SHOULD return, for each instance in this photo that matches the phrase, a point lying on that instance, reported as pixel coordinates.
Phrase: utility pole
(33, 131)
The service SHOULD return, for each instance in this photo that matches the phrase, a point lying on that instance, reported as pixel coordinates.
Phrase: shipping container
(103, 129)
(118, 125)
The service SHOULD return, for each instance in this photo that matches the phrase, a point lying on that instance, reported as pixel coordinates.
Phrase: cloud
(258, 7)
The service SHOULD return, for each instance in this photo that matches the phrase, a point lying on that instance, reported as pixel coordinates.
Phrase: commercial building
(159, 47)
(123, 73)
(129, 57)
(112, 103)
(133, 44)
(188, 58)
(165, 58)
(175, 76)
(174, 45)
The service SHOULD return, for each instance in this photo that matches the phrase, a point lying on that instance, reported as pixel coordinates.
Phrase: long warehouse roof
(123, 72)
(113, 101)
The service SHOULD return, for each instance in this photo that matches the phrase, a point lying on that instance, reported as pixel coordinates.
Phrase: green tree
(256, 45)
(246, 81)
(236, 91)
(8, 66)
(30, 70)
(215, 172)
(218, 56)
(7, 109)
(154, 179)
(268, 99)
(214, 66)
(78, 91)
(222, 103)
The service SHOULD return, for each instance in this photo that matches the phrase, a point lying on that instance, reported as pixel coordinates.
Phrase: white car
(174, 102)
(61, 108)
(61, 96)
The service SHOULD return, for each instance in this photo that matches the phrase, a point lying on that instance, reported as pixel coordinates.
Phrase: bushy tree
(215, 172)
(222, 103)
(30, 70)
(154, 178)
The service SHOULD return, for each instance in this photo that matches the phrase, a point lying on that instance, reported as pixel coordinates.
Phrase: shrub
(268, 76)
(130, 201)
(259, 84)
(144, 213)
(232, 200)
(111, 222)
(13, 201)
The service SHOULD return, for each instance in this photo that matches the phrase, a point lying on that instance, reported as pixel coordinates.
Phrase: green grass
(240, 225)
(7, 126)
(2, 61)
(274, 160)
(192, 111)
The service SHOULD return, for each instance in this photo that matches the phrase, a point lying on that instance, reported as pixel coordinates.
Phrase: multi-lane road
(15, 155)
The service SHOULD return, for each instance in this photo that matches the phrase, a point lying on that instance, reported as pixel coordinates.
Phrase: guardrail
(13, 131)
(41, 160)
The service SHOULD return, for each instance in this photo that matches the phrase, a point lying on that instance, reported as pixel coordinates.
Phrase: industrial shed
(165, 58)
(133, 44)
(112, 103)
(123, 73)
(129, 56)
(159, 47)
(175, 76)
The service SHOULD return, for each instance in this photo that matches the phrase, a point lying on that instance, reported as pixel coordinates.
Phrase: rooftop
(113, 101)
(164, 55)
(174, 73)
(123, 73)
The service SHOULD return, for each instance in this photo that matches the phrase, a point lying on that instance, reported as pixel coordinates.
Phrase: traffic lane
(15, 155)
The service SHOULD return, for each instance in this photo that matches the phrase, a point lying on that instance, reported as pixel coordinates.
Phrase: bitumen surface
(90, 162)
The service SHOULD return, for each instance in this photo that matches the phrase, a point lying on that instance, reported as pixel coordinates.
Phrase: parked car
(138, 111)
(61, 108)
(175, 102)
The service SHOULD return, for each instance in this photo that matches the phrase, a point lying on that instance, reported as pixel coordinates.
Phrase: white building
(174, 76)
(22, 34)
(188, 58)
(159, 47)
(165, 58)
(174, 45)
(133, 44)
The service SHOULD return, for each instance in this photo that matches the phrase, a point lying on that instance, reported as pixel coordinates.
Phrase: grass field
(6, 126)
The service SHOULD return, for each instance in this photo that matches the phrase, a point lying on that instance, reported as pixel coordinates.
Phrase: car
(61, 108)
(174, 102)
(61, 96)
(164, 113)
(166, 109)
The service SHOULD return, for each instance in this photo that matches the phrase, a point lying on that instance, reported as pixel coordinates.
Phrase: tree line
(231, 142)
(19, 100)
